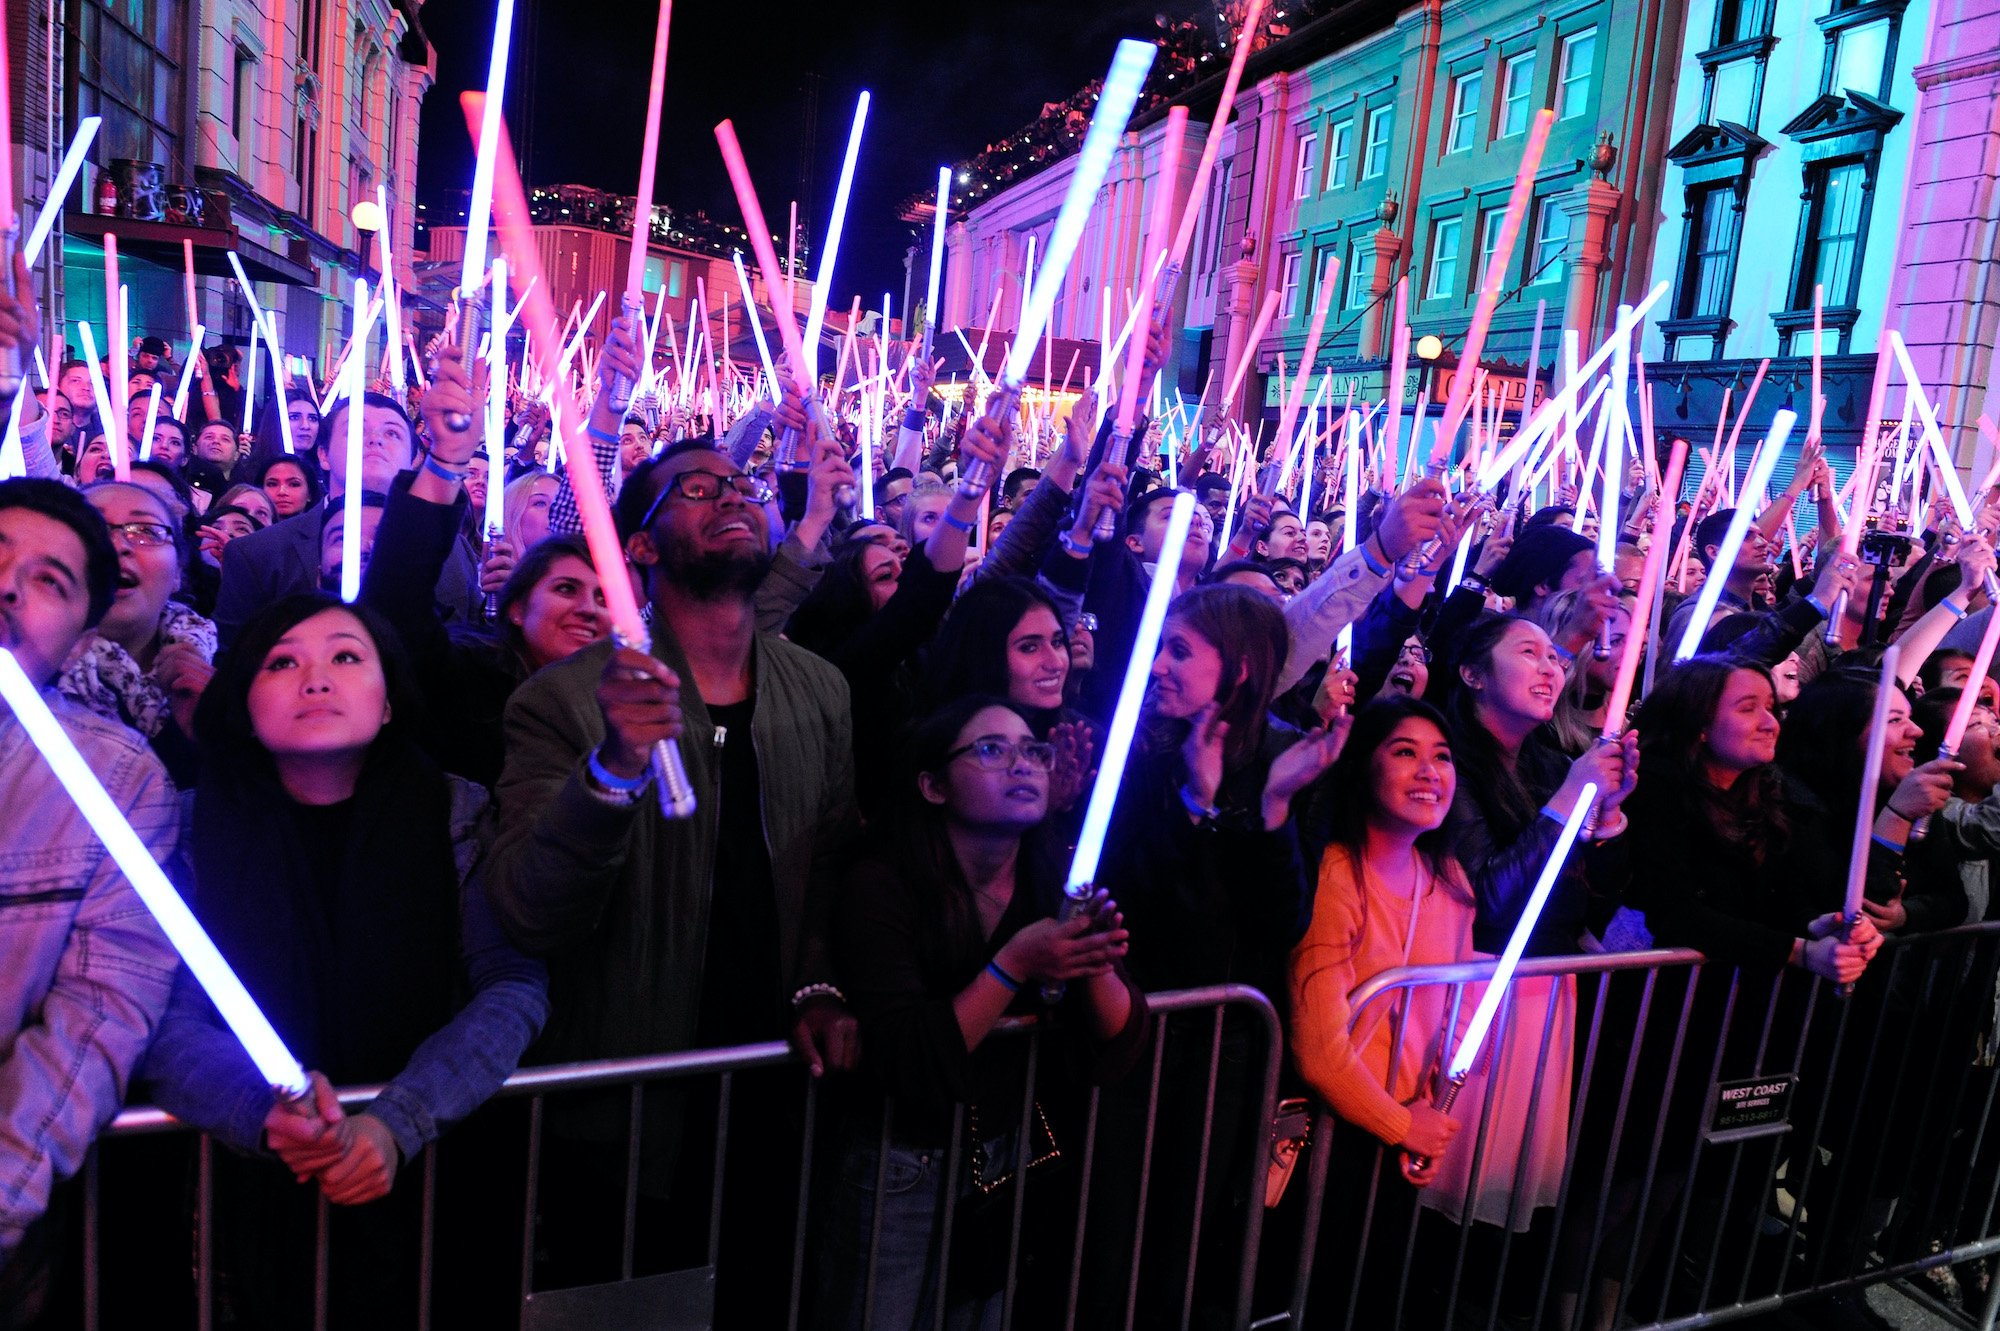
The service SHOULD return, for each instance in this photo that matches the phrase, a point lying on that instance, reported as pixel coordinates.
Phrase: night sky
(946, 79)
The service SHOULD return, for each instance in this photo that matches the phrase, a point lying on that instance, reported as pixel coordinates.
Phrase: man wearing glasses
(667, 935)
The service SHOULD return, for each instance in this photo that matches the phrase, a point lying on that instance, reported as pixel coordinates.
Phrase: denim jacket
(200, 1074)
(84, 970)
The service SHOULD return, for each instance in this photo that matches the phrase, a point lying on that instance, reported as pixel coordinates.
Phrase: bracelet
(807, 993)
(1477, 583)
(600, 436)
(1568, 656)
(1006, 981)
(1826, 613)
(1957, 612)
(1379, 570)
(610, 780)
(1206, 812)
(442, 472)
(1069, 542)
(955, 524)
(914, 420)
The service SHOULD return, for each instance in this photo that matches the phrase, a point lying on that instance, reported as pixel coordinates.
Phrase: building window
(1342, 148)
(1489, 241)
(1839, 196)
(1517, 87)
(676, 278)
(1375, 156)
(1443, 278)
(1214, 217)
(1738, 21)
(1579, 55)
(129, 63)
(1465, 110)
(1551, 242)
(1288, 286)
(1711, 253)
(241, 87)
(1360, 274)
(1302, 175)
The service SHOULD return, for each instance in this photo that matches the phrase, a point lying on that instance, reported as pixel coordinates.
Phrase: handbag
(1291, 1129)
(1042, 1149)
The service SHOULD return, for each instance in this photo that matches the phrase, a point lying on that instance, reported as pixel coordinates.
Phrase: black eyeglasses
(144, 533)
(998, 755)
(1415, 652)
(705, 487)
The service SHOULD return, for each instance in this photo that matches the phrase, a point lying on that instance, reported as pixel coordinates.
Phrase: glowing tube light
(187, 373)
(756, 325)
(239, 1011)
(937, 259)
(79, 147)
(1125, 718)
(1510, 958)
(496, 407)
(1732, 541)
(816, 307)
(350, 501)
(113, 438)
(472, 272)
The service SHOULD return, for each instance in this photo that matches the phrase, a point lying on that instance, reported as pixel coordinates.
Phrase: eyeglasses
(144, 534)
(1414, 652)
(705, 487)
(998, 755)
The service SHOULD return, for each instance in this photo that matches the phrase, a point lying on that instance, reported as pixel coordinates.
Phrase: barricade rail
(636, 1299)
(1854, 1149)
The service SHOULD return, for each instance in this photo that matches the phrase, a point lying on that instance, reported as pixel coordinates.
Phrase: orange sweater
(1337, 954)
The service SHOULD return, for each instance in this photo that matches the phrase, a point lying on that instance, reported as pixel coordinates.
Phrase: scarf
(102, 676)
(351, 949)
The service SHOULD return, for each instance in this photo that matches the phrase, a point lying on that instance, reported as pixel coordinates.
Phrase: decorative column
(1384, 246)
(957, 276)
(1590, 207)
(1240, 306)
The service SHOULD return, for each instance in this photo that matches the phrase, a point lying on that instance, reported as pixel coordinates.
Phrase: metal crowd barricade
(1836, 1143)
(677, 1299)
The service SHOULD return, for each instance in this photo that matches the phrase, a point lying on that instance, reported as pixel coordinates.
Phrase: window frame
(1547, 207)
(1463, 116)
(1290, 266)
(1340, 148)
(1813, 238)
(1305, 161)
(1697, 257)
(1384, 115)
(1451, 289)
(1566, 75)
(1510, 97)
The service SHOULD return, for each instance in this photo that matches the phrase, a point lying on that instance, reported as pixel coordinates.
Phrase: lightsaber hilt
(978, 476)
(470, 306)
(1847, 990)
(785, 455)
(1602, 651)
(12, 371)
(1118, 450)
(490, 603)
(618, 386)
(1446, 1097)
(1834, 614)
(1052, 992)
(1170, 280)
(670, 776)
(1413, 565)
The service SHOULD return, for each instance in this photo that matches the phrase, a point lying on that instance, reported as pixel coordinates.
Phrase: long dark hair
(916, 844)
(837, 606)
(534, 566)
(1752, 813)
(969, 654)
(303, 461)
(1818, 745)
(223, 727)
(1249, 631)
(1483, 770)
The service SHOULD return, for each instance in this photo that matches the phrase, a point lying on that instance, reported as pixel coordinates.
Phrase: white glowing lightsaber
(756, 323)
(239, 1011)
(1732, 540)
(13, 462)
(79, 147)
(1093, 162)
(278, 379)
(187, 373)
(392, 298)
(350, 500)
(152, 419)
(1488, 1007)
(113, 439)
(496, 406)
(479, 219)
(937, 261)
(1125, 717)
(816, 307)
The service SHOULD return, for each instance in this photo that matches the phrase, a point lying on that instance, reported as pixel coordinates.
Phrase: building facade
(256, 126)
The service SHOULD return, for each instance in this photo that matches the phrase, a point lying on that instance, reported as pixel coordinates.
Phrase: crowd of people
(420, 825)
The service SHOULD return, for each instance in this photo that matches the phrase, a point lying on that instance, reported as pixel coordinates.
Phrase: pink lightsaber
(1871, 777)
(1211, 147)
(632, 302)
(1289, 416)
(1651, 576)
(607, 552)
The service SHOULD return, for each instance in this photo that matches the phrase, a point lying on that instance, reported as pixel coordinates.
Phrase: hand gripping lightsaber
(239, 1011)
(1107, 126)
(1947, 470)
(1460, 1067)
(1124, 720)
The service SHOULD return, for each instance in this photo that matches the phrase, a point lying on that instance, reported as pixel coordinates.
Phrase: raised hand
(1076, 749)
(640, 700)
(1299, 766)
(1201, 753)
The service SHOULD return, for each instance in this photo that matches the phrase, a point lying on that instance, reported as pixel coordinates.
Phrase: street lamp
(369, 217)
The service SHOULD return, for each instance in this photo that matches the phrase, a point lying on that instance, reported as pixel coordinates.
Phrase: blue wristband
(955, 524)
(1568, 656)
(1379, 570)
(1827, 613)
(435, 468)
(914, 420)
(600, 435)
(1006, 981)
(610, 780)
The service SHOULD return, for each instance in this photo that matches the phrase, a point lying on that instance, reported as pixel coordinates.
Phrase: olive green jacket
(617, 898)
